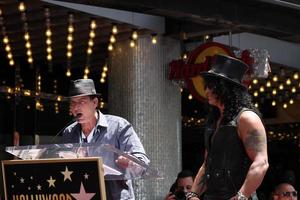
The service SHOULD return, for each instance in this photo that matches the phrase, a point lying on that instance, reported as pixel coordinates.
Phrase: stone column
(139, 90)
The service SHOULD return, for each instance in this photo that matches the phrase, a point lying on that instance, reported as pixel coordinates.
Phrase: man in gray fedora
(92, 126)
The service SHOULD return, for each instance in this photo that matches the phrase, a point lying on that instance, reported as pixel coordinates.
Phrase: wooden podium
(54, 179)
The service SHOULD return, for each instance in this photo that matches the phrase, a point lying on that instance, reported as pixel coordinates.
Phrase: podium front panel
(61, 179)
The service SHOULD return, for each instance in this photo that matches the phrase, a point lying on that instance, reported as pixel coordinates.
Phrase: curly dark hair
(233, 96)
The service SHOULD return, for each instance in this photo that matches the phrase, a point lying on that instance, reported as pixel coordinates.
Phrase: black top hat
(227, 68)
(82, 87)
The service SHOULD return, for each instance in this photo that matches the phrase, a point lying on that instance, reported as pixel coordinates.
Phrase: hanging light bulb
(91, 43)
(105, 69)
(102, 80)
(134, 35)
(5, 40)
(261, 88)
(49, 49)
(281, 87)
(49, 57)
(275, 78)
(255, 93)
(68, 73)
(69, 54)
(190, 97)
(296, 75)
(85, 76)
(268, 84)
(93, 24)
(86, 70)
(70, 29)
(288, 81)
(69, 46)
(26, 36)
(132, 43)
(89, 51)
(284, 105)
(11, 62)
(274, 91)
(256, 105)
(255, 81)
(273, 103)
(9, 55)
(112, 38)
(291, 101)
(48, 33)
(48, 41)
(110, 47)
(154, 38)
(22, 7)
(114, 29)
(70, 38)
(294, 89)
(28, 45)
(92, 34)
(30, 60)
(7, 48)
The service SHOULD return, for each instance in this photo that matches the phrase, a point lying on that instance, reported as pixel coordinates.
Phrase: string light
(275, 78)
(69, 44)
(255, 81)
(48, 41)
(288, 81)
(114, 29)
(89, 50)
(190, 97)
(112, 38)
(22, 6)
(132, 43)
(154, 39)
(273, 103)
(11, 61)
(22, 9)
(110, 47)
(296, 75)
(103, 74)
(134, 35)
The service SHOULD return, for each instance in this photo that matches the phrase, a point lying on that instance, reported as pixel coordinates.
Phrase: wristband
(190, 195)
(240, 196)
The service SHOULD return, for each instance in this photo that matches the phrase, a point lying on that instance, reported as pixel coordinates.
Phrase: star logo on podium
(82, 195)
(67, 174)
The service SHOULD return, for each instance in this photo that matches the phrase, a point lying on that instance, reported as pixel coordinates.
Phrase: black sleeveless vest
(227, 163)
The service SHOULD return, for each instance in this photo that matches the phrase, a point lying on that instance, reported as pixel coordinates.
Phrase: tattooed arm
(199, 182)
(253, 134)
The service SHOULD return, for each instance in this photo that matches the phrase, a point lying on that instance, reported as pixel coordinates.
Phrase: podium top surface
(136, 168)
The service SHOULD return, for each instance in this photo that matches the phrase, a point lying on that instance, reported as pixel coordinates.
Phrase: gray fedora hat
(227, 68)
(82, 87)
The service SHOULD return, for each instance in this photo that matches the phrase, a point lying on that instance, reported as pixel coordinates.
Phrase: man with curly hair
(236, 157)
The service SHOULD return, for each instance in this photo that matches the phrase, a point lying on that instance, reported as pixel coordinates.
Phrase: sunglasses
(289, 194)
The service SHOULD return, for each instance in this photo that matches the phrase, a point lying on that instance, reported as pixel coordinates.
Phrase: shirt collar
(102, 120)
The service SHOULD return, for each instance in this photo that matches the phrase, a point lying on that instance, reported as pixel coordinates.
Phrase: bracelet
(190, 195)
(240, 196)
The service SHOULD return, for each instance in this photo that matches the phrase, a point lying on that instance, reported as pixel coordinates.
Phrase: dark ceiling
(192, 19)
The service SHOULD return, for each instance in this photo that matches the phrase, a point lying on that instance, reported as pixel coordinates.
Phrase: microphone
(68, 124)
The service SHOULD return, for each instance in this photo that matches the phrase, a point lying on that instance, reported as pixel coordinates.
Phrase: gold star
(67, 174)
(51, 182)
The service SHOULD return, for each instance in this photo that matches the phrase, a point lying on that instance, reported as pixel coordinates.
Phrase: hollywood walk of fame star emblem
(67, 174)
(82, 195)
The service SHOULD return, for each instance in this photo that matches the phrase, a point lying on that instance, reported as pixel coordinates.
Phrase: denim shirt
(119, 133)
